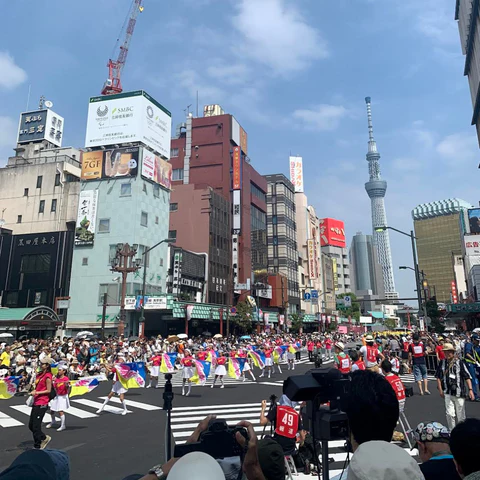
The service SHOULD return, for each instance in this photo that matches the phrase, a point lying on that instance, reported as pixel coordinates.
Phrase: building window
(85, 261)
(53, 207)
(156, 191)
(256, 192)
(19, 219)
(174, 152)
(39, 181)
(172, 235)
(57, 180)
(112, 252)
(173, 207)
(161, 262)
(38, 263)
(144, 219)
(111, 289)
(177, 174)
(125, 189)
(104, 225)
(41, 207)
(156, 220)
(25, 192)
(274, 219)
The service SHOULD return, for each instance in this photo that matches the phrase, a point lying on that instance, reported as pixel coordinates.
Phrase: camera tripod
(167, 405)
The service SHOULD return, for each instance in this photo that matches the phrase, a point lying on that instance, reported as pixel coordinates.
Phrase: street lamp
(141, 327)
(415, 264)
(124, 263)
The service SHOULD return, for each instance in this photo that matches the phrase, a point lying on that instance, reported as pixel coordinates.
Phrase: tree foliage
(242, 320)
(297, 322)
(390, 323)
(354, 310)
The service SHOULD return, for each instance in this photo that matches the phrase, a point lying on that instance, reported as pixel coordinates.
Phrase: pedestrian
(357, 362)
(220, 371)
(41, 397)
(61, 402)
(432, 442)
(454, 385)
(472, 360)
(310, 346)
(188, 363)
(341, 359)
(370, 354)
(396, 384)
(416, 356)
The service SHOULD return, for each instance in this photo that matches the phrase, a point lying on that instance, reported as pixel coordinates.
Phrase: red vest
(344, 364)
(397, 386)
(406, 346)
(395, 363)
(287, 422)
(360, 365)
(418, 350)
(372, 353)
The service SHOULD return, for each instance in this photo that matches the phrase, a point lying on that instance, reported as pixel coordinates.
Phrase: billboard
(86, 218)
(296, 173)
(236, 212)
(472, 244)
(474, 220)
(312, 270)
(129, 117)
(237, 164)
(40, 125)
(156, 169)
(332, 232)
(115, 163)
(243, 141)
(335, 274)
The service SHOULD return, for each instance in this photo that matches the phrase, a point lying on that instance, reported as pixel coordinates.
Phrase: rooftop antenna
(28, 96)
(197, 103)
(187, 110)
(41, 103)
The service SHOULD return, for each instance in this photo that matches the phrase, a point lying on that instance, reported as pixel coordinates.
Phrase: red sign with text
(332, 232)
(236, 168)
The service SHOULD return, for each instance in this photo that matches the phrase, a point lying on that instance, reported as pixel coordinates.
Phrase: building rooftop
(439, 208)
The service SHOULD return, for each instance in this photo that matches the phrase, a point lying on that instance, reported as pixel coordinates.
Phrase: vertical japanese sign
(40, 125)
(335, 273)
(237, 168)
(86, 218)
(235, 259)
(454, 292)
(311, 259)
(237, 219)
(296, 173)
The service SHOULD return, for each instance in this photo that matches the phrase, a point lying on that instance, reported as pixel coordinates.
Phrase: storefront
(37, 322)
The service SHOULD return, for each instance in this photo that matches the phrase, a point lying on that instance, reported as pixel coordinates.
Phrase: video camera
(218, 441)
(325, 390)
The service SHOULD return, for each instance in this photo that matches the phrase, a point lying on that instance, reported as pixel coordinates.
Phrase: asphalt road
(112, 446)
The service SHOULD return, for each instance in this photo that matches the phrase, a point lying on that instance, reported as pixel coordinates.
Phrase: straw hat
(448, 347)
(340, 346)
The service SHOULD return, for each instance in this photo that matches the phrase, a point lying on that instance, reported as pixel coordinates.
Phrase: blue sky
(293, 72)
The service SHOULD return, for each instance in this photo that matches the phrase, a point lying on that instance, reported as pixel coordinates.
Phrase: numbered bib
(287, 422)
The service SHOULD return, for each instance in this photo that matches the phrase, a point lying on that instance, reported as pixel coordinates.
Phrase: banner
(311, 259)
(168, 362)
(296, 173)
(201, 373)
(85, 385)
(237, 165)
(131, 375)
(156, 169)
(235, 367)
(8, 387)
(114, 163)
(258, 358)
(86, 218)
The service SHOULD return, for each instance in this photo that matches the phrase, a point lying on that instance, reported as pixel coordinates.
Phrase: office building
(212, 152)
(366, 270)
(467, 13)
(333, 244)
(124, 199)
(282, 235)
(439, 231)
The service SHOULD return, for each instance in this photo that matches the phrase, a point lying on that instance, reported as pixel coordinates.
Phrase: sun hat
(196, 465)
(47, 360)
(448, 347)
(369, 338)
(340, 345)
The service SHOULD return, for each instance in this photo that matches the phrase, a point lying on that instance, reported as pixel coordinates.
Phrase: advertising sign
(40, 125)
(454, 292)
(335, 273)
(156, 169)
(472, 244)
(243, 141)
(116, 163)
(311, 259)
(129, 117)
(474, 220)
(86, 218)
(332, 232)
(366, 320)
(296, 173)
(237, 163)
(235, 258)
(236, 212)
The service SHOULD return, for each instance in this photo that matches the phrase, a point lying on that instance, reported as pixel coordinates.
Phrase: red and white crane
(114, 83)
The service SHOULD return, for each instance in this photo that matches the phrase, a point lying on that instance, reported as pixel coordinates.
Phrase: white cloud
(8, 131)
(275, 34)
(320, 118)
(190, 80)
(459, 147)
(232, 74)
(406, 164)
(11, 75)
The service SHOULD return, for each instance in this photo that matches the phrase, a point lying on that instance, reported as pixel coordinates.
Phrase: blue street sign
(307, 297)
(314, 293)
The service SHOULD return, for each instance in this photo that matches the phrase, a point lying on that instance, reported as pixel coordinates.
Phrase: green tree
(242, 320)
(434, 314)
(390, 323)
(354, 310)
(297, 322)
(332, 326)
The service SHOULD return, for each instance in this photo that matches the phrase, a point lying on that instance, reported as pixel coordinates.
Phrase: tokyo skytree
(376, 188)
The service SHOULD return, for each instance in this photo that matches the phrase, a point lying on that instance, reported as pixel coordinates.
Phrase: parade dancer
(61, 402)
(268, 361)
(155, 369)
(220, 371)
(117, 388)
(187, 362)
(246, 366)
(276, 362)
(291, 357)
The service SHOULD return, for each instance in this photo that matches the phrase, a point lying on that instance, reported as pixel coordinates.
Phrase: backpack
(52, 394)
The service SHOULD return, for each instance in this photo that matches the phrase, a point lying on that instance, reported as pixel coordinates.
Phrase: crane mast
(113, 84)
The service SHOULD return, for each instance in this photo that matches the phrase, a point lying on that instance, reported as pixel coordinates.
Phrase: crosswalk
(409, 378)
(185, 419)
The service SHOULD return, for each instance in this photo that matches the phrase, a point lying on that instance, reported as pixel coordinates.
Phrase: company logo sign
(150, 112)
(332, 232)
(102, 111)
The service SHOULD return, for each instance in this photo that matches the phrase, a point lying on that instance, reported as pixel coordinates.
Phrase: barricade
(432, 363)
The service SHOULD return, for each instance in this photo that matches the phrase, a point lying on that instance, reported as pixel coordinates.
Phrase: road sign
(347, 300)
(315, 294)
(307, 297)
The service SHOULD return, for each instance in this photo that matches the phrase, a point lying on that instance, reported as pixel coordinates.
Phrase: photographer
(286, 423)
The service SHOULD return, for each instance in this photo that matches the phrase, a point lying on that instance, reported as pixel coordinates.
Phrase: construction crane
(114, 83)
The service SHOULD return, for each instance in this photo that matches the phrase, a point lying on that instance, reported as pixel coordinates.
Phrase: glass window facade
(259, 243)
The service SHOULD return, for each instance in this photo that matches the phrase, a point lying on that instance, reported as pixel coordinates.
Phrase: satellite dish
(48, 104)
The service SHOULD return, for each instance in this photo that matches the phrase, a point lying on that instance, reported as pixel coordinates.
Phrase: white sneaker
(188, 393)
(223, 386)
(124, 412)
(149, 386)
(244, 378)
(212, 386)
(100, 410)
(49, 425)
(183, 393)
(61, 429)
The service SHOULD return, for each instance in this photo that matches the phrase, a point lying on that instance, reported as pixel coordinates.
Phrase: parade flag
(83, 385)
(8, 387)
(168, 362)
(292, 349)
(276, 355)
(258, 359)
(54, 368)
(235, 367)
(131, 375)
(202, 371)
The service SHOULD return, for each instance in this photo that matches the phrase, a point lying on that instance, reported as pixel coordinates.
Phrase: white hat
(196, 465)
(340, 345)
(377, 460)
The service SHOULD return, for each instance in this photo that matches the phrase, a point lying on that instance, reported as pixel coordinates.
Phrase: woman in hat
(41, 397)
(61, 402)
